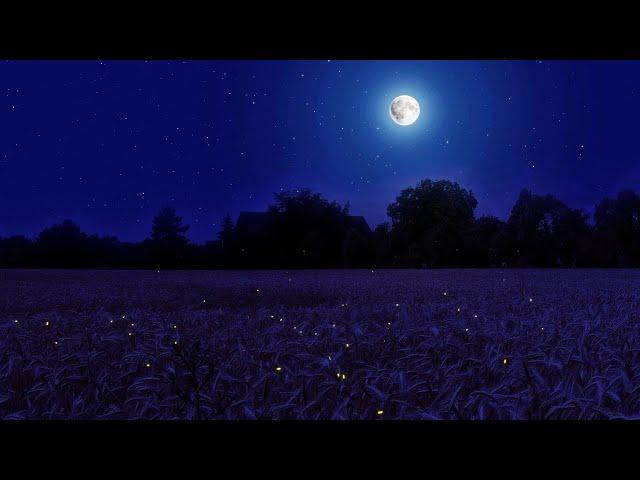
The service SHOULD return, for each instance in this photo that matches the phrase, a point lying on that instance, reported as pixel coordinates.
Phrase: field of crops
(358, 344)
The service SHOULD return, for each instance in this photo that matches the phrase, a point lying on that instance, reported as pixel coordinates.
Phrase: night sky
(107, 144)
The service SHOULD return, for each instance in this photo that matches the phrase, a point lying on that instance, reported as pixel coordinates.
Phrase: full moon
(404, 110)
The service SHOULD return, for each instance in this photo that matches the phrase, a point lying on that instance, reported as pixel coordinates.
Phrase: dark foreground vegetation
(349, 344)
(432, 225)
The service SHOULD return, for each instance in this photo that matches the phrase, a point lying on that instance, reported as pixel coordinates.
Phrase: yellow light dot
(380, 412)
(278, 369)
(46, 323)
(344, 377)
(175, 327)
(347, 345)
(504, 361)
(130, 333)
(148, 365)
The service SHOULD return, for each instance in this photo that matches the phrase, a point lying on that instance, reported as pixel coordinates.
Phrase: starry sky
(108, 143)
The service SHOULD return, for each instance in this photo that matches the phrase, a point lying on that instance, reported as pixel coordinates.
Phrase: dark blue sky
(108, 143)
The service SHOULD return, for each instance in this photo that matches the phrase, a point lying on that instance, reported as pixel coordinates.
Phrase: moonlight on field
(404, 110)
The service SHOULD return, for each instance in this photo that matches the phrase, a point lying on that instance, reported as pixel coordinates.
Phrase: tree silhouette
(618, 230)
(428, 222)
(168, 244)
(226, 233)
(306, 230)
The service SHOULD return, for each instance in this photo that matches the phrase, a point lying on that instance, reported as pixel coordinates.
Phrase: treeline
(431, 225)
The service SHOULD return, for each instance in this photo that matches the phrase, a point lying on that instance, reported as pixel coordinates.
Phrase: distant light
(380, 412)
(56, 342)
(347, 345)
(530, 300)
(132, 324)
(130, 333)
(148, 365)
(397, 304)
(475, 316)
(344, 377)
(258, 290)
(466, 329)
(445, 294)
(111, 321)
(458, 309)
(278, 369)
(15, 321)
(175, 342)
(504, 361)
(175, 327)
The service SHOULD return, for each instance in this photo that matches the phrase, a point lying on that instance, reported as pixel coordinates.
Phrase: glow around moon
(404, 110)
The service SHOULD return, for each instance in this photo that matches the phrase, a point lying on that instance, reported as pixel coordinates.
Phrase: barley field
(328, 345)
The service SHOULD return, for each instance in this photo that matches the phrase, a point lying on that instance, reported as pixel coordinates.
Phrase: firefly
(504, 361)
(148, 365)
(278, 369)
(347, 345)
(46, 324)
(380, 412)
(130, 333)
